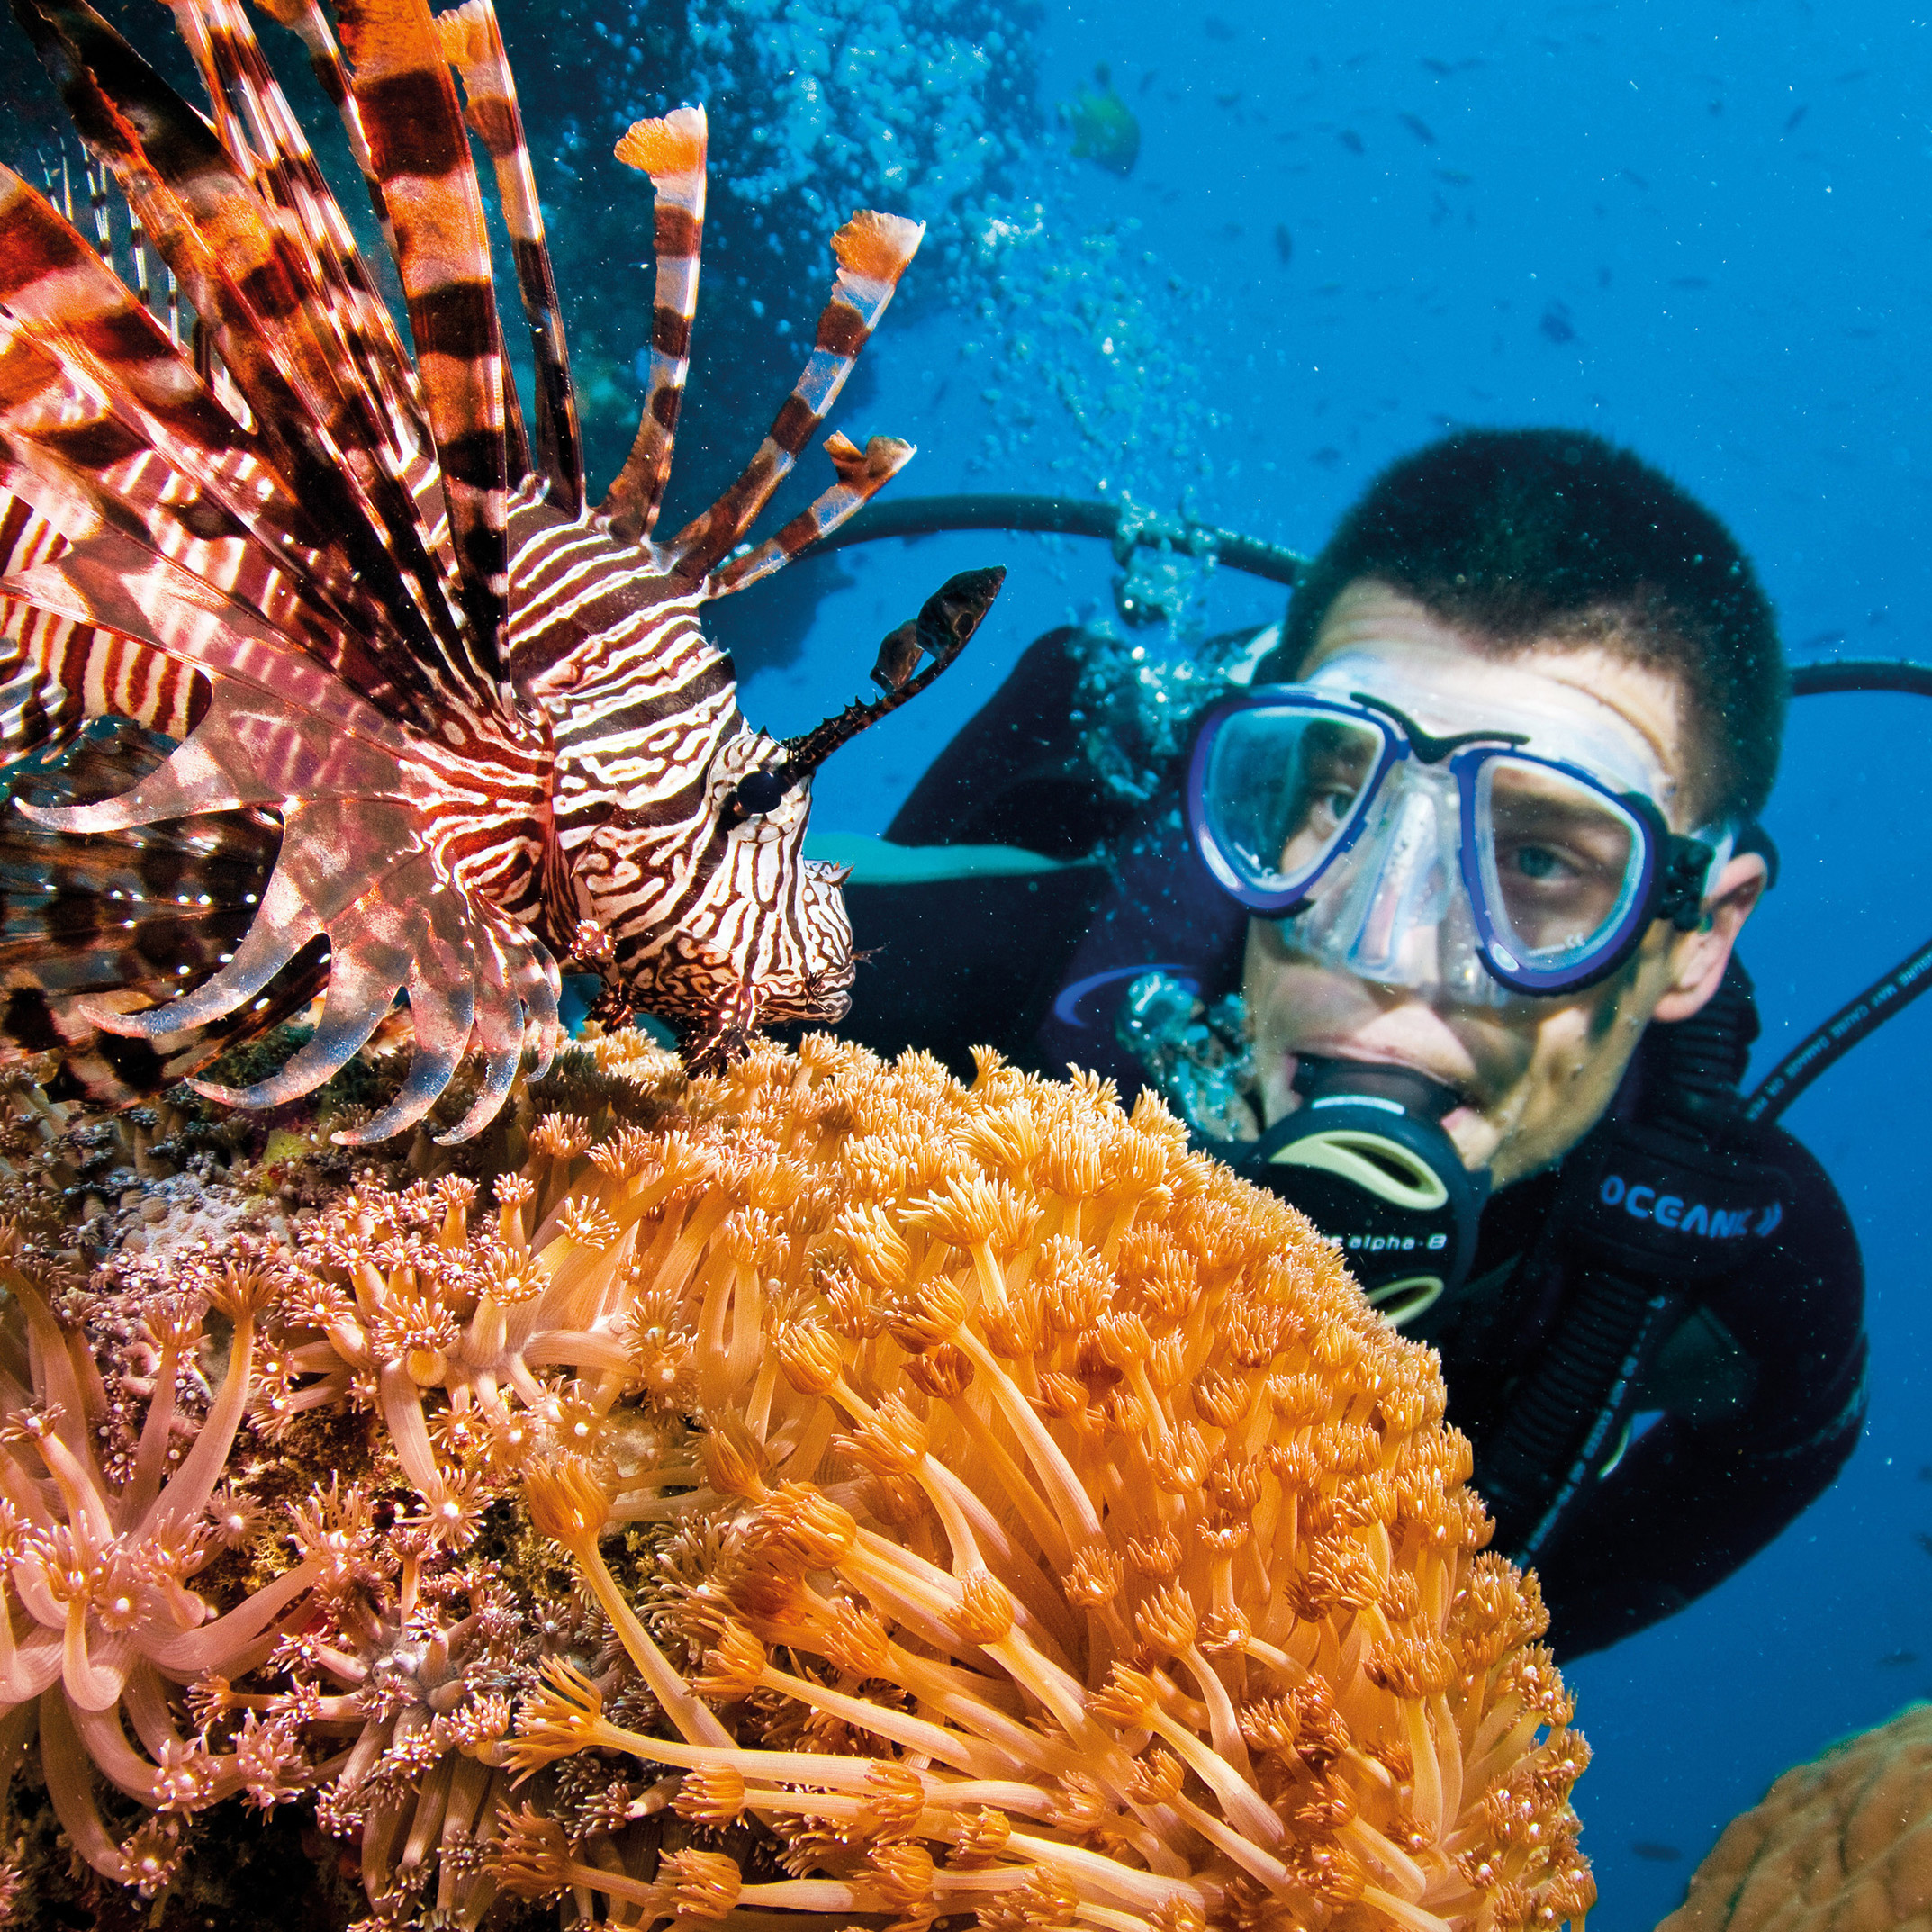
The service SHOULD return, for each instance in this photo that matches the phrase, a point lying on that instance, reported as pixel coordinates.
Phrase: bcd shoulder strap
(1649, 1214)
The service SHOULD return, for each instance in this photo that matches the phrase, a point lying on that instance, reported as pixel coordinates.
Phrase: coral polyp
(1067, 1544)
(101, 1623)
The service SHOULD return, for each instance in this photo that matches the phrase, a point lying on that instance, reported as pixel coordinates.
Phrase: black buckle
(1681, 887)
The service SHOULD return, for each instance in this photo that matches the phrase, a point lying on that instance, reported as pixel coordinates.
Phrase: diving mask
(1484, 862)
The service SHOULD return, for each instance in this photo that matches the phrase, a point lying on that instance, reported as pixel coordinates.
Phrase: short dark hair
(1516, 535)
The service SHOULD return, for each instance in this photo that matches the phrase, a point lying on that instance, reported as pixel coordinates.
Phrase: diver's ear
(1698, 959)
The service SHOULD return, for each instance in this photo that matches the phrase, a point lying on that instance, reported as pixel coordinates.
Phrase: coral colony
(821, 1491)
(1839, 1842)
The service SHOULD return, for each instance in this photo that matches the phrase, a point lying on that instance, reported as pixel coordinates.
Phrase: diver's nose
(1396, 939)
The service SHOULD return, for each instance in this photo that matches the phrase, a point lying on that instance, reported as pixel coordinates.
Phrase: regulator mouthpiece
(1365, 1158)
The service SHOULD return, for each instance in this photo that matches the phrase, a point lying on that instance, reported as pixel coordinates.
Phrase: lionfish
(316, 678)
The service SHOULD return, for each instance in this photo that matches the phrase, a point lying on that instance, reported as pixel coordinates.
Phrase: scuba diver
(1430, 927)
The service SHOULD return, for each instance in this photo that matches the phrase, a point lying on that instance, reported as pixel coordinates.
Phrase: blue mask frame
(1671, 867)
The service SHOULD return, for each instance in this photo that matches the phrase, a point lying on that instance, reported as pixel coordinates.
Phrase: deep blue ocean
(1704, 231)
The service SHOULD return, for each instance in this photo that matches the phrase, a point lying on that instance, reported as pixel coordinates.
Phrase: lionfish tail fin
(473, 43)
(862, 473)
(942, 630)
(873, 250)
(671, 152)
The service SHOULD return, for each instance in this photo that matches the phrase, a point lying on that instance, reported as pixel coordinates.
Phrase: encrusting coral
(821, 1493)
(1843, 1842)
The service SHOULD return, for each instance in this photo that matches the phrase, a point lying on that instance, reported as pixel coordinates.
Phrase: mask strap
(1688, 866)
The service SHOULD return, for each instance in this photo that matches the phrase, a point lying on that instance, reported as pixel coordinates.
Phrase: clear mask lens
(1284, 787)
(1561, 861)
(1391, 910)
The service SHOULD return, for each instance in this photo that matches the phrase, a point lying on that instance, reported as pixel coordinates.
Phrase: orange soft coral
(1844, 1842)
(1045, 1529)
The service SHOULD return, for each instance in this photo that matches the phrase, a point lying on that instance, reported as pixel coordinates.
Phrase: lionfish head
(771, 942)
(777, 947)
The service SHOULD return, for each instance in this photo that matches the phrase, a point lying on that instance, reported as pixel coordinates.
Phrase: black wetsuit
(1748, 1393)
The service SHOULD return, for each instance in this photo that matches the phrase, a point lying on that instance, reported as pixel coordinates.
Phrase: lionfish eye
(762, 791)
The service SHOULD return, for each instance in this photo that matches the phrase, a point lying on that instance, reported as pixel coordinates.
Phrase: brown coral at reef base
(877, 1500)
(1844, 1843)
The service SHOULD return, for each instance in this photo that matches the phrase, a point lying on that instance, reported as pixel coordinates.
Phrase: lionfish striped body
(402, 709)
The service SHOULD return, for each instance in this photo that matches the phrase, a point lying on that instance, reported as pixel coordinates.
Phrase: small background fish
(1103, 128)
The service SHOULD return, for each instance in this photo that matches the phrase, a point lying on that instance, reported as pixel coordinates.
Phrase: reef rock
(1844, 1843)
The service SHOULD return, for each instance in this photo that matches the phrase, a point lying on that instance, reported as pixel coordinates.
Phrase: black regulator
(1364, 1157)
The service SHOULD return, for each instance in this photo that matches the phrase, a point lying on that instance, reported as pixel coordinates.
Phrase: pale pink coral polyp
(99, 1571)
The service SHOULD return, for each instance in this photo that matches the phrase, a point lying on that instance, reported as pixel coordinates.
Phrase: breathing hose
(1124, 525)
(1892, 991)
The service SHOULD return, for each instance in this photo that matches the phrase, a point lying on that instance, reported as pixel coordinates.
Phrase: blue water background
(1745, 292)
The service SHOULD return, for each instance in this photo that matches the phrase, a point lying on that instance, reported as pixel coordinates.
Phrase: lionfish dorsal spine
(862, 474)
(269, 141)
(873, 251)
(266, 317)
(473, 43)
(419, 145)
(672, 151)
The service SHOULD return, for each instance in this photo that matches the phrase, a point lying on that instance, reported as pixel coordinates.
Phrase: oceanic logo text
(1671, 1211)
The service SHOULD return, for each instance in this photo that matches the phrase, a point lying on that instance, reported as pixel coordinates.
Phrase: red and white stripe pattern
(421, 152)
(873, 251)
(672, 151)
(473, 43)
(56, 672)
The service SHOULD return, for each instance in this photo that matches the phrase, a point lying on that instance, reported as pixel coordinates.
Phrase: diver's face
(1536, 1073)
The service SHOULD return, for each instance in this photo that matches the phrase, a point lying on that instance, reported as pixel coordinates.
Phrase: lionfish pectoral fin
(442, 992)
(671, 152)
(184, 787)
(260, 306)
(284, 924)
(364, 978)
(373, 946)
(873, 250)
(862, 473)
(498, 1034)
(537, 981)
(944, 628)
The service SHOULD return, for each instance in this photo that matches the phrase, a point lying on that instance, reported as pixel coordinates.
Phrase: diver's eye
(762, 791)
(1332, 807)
(1537, 861)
